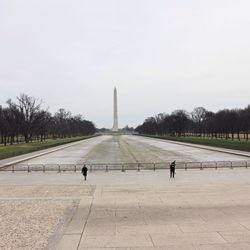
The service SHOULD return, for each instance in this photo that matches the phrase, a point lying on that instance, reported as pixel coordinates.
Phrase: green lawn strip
(220, 143)
(24, 148)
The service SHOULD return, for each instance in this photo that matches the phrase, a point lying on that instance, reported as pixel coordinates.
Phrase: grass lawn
(221, 143)
(24, 148)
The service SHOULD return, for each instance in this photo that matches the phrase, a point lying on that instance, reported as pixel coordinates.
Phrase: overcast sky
(161, 55)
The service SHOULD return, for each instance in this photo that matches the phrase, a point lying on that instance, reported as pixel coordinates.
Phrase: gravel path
(31, 214)
(28, 224)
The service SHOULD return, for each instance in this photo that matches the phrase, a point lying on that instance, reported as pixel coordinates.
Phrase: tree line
(25, 120)
(226, 123)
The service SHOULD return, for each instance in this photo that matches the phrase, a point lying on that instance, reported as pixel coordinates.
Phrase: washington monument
(115, 114)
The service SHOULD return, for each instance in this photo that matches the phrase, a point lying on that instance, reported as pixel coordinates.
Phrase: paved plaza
(199, 209)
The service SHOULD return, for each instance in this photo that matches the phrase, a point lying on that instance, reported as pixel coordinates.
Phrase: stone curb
(58, 234)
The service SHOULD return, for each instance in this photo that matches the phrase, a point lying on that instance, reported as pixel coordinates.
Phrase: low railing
(124, 166)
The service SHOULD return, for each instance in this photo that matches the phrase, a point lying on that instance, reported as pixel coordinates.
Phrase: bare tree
(222, 124)
(198, 115)
(28, 107)
(27, 118)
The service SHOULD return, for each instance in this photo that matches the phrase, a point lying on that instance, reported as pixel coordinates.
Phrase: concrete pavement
(207, 209)
(149, 211)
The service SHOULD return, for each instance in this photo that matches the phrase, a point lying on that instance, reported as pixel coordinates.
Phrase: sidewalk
(150, 211)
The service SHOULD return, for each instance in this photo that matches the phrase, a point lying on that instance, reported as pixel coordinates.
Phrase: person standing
(172, 169)
(84, 172)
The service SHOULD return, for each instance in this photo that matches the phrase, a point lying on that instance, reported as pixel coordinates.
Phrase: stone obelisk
(115, 114)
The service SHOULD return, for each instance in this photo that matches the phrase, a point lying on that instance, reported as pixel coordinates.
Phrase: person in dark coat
(172, 169)
(84, 172)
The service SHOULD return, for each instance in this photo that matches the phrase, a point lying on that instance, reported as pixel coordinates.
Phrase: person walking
(84, 172)
(172, 169)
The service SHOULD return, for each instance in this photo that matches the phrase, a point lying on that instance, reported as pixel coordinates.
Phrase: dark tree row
(26, 120)
(227, 123)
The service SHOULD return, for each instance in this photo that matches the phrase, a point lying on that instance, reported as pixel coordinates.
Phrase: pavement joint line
(44, 153)
(92, 190)
(153, 244)
(57, 236)
(72, 234)
(218, 232)
(204, 221)
(84, 226)
(244, 226)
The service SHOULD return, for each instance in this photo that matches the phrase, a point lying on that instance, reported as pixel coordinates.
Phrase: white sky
(161, 55)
